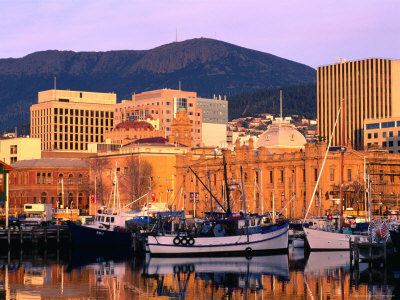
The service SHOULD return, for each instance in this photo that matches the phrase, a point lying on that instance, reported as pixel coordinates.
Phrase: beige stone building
(370, 89)
(16, 149)
(66, 121)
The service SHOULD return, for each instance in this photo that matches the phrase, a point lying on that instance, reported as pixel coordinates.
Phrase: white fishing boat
(240, 235)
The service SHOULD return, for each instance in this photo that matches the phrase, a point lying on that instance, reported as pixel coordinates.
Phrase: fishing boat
(240, 233)
(108, 228)
(243, 235)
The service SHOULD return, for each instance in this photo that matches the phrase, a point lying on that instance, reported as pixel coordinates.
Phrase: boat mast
(341, 170)
(228, 204)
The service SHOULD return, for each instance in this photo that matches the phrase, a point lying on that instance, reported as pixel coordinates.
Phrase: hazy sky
(312, 32)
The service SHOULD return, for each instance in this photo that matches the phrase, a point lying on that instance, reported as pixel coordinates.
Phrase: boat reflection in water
(228, 273)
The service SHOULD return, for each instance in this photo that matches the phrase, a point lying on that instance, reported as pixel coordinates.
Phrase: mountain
(203, 65)
(296, 100)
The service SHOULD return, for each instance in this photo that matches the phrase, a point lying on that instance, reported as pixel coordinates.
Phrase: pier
(34, 235)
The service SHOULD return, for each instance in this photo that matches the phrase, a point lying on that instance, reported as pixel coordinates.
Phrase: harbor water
(90, 273)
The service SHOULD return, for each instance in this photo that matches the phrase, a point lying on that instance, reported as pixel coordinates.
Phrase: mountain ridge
(205, 66)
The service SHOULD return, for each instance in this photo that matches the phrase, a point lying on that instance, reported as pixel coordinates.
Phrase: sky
(312, 32)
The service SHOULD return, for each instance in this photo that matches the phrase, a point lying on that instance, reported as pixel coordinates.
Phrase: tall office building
(370, 89)
(69, 120)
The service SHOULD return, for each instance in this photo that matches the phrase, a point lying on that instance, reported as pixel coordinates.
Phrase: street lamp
(261, 189)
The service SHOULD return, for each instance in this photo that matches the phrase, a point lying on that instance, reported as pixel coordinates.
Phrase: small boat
(395, 237)
(245, 235)
(108, 228)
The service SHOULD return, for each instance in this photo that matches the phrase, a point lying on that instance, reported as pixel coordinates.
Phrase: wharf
(35, 235)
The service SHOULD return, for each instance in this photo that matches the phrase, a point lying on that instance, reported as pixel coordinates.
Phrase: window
(332, 174)
(390, 133)
(390, 143)
(13, 149)
(369, 135)
(282, 175)
(384, 134)
(372, 126)
(80, 178)
(125, 170)
(315, 174)
(49, 178)
(348, 174)
(70, 177)
(375, 135)
(38, 178)
(271, 177)
(384, 144)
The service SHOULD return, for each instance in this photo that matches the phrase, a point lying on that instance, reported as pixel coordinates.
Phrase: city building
(128, 131)
(163, 105)
(16, 149)
(370, 89)
(281, 137)
(59, 181)
(382, 134)
(215, 119)
(286, 181)
(66, 121)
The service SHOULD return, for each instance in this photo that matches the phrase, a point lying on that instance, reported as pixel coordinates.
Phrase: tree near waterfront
(98, 167)
(136, 179)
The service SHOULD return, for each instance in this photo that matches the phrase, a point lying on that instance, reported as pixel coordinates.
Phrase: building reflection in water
(112, 274)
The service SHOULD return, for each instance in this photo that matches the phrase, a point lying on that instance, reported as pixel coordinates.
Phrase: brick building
(50, 180)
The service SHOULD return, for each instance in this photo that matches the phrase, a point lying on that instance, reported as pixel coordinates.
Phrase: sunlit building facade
(68, 120)
(370, 89)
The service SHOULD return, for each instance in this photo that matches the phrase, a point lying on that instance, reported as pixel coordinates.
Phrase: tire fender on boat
(248, 252)
(184, 241)
(191, 241)
(177, 240)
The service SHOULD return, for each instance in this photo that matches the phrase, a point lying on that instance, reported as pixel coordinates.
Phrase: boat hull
(269, 241)
(326, 240)
(83, 235)
(395, 237)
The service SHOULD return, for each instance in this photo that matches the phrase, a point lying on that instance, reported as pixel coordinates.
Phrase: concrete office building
(68, 120)
(370, 89)
(382, 134)
(215, 119)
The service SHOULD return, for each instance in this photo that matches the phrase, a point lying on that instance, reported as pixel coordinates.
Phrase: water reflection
(116, 274)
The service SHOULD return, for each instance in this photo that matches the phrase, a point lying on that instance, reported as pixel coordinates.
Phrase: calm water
(112, 274)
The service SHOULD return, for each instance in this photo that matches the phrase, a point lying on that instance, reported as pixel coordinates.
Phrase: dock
(34, 235)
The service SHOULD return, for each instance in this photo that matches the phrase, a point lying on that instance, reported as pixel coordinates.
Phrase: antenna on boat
(323, 164)
(228, 203)
(212, 196)
(341, 168)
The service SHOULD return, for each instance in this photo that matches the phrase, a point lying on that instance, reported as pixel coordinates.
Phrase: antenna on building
(180, 88)
(55, 87)
(176, 34)
(281, 103)
(342, 60)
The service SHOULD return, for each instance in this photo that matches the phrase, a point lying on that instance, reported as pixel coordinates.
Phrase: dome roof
(281, 134)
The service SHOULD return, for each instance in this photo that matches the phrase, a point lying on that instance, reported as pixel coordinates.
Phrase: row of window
(390, 124)
(43, 178)
(83, 113)
(384, 134)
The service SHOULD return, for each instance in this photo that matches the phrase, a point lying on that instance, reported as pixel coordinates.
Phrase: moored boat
(240, 236)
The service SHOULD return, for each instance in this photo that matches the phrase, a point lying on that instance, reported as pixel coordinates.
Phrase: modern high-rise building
(69, 120)
(370, 89)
